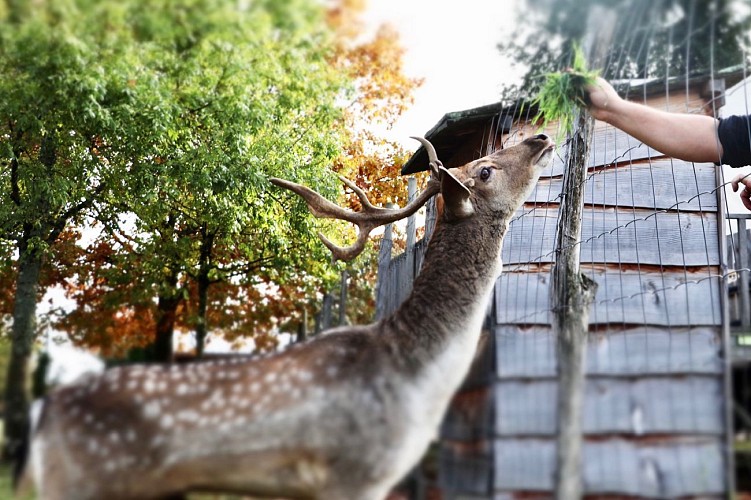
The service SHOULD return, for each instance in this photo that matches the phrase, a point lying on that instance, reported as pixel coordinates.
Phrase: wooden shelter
(657, 389)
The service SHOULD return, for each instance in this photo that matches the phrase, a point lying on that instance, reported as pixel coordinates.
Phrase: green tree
(205, 235)
(161, 120)
(62, 97)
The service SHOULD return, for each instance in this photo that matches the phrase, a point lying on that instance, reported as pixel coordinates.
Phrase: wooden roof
(449, 134)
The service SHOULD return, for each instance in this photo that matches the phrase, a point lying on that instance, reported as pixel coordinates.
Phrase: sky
(452, 45)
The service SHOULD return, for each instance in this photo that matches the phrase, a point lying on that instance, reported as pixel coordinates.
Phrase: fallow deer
(343, 416)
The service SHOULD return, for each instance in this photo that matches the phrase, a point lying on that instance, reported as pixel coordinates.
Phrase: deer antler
(370, 217)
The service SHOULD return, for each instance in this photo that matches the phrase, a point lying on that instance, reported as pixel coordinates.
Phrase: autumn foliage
(115, 285)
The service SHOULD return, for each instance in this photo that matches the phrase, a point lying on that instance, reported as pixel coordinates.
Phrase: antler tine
(359, 192)
(369, 218)
(318, 205)
(435, 163)
(346, 253)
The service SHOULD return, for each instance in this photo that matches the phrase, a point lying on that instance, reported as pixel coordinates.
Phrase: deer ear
(455, 196)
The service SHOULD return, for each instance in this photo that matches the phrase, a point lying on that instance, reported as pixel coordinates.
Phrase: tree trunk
(22, 340)
(202, 319)
(169, 298)
(204, 267)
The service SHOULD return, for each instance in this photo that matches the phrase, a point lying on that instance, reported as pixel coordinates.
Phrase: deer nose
(541, 137)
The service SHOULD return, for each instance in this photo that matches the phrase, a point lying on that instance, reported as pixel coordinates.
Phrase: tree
(222, 242)
(164, 113)
(670, 38)
(240, 94)
(63, 97)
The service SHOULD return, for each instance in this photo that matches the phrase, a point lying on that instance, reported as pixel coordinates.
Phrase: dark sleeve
(734, 133)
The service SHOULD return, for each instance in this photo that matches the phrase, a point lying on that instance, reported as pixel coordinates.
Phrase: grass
(563, 93)
(6, 485)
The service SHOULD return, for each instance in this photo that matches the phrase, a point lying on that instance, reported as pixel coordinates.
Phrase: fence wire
(668, 396)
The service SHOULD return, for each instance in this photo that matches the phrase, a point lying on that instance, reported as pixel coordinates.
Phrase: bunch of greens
(563, 92)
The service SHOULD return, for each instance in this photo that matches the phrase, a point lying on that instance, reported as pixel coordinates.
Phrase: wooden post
(324, 317)
(431, 215)
(743, 291)
(343, 299)
(302, 331)
(384, 260)
(411, 229)
(572, 291)
(573, 294)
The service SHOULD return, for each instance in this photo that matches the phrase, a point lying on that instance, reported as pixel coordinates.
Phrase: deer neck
(448, 303)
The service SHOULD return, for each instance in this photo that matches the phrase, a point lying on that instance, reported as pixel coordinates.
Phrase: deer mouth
(546, 154)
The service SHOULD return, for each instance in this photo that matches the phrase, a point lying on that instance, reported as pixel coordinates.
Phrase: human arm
(687, 137)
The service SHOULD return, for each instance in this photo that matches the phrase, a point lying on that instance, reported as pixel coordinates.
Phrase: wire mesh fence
(667, 402)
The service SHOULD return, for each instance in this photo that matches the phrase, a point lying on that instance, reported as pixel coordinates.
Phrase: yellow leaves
(382, 92)
(343, 17)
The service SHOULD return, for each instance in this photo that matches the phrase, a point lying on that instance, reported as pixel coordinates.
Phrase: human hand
(602, 99)
(745, 194)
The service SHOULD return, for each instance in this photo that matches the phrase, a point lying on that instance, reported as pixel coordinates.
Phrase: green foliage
(563, 93)
(163, 120)
(155, 124)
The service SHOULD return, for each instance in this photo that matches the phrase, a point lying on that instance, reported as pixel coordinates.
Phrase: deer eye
(485, 173)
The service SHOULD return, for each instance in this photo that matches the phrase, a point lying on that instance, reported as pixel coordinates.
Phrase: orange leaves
(382, 92)
(343, 17)
(382, 89)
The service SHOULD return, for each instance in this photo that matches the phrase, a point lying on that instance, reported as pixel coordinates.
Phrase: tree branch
(58, 225)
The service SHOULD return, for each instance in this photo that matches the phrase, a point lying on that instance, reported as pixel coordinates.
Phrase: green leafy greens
(563, 92)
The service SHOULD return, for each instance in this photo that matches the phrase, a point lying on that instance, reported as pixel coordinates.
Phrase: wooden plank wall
(654, 407)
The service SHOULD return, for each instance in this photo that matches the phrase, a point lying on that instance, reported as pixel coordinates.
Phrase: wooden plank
(465, 468)
(661, 184)
(627, 236)
(652, 405)
(470, 415)
(482, 371)
(525, 353)
(626, 297)
(649, 468)
(609, 145)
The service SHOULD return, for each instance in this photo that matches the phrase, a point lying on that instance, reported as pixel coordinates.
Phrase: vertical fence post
(411, 229)
(384, 278)
(572, 296)
(343, 298)
(302, 331)
(743, 291)
(324, 317)
(572, 291)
